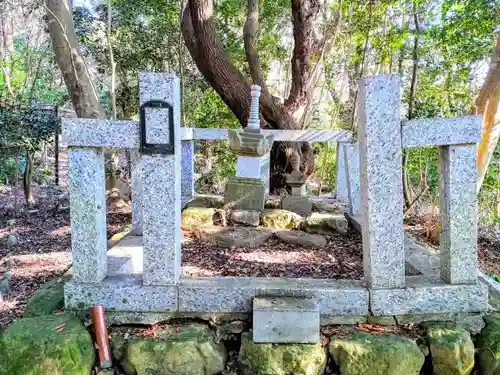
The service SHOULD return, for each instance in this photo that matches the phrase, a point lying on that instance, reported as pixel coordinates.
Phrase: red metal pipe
(101, 334)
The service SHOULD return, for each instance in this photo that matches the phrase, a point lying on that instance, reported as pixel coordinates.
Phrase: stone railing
(375, 180)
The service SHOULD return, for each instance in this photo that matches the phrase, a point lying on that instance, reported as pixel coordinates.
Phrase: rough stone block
(341, 175)
(161, 182)
(245, 193)
(88, 214)
(380, 150)
(187, 170)
(136, 185)
(352, 172)
(458, 202)
(251, 218)
(441, 131)
(285, 320)
(297, 204)
(254, 167)
(424, 298)
(125, 293)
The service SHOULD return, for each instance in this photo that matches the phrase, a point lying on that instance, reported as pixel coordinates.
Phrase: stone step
(285, 320)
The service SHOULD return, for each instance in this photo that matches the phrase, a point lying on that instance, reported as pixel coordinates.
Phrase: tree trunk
(486, 104)
(28, 177)
(233, 87)
(70, 60)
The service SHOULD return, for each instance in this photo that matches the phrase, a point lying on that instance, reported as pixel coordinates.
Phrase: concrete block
(426, 298)
(341, 175)
(124, 293)
(297, 204)
(161, 184)
(441, 131)
(245, 194)
(88, 214)
(352, 172)
(285, 320)
(380, 150)
(458, 207)
(254, 167)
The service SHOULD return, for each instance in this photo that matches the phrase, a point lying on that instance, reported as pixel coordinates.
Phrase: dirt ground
(43, 251)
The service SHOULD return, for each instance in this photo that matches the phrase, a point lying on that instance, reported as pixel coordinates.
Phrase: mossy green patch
(193, 217)
(47, 345)
(488, 347)
(280, 359)
(368, 354)
(451, 349)
(48, 299)
(185, 350)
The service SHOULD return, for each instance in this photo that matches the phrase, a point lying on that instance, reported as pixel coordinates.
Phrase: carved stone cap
(248, 143)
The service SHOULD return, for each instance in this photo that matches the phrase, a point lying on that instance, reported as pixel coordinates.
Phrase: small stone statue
(296, 179)
(5, 284)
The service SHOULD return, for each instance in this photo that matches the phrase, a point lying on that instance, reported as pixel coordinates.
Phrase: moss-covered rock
(47, 345)
(325, 223)
(183, 350)
(488, 347)
(451, 349)
(281, 219)
(194, 217)
(48, 299)
(282, 359)
(368, 354)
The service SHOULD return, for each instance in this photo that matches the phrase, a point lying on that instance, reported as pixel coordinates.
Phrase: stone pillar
(380, 151)
(187, 171)
(88, 214)
(458, 207)
(161, 183)
(136, 188)
(298, 202)
(352, 173)
(341, 176)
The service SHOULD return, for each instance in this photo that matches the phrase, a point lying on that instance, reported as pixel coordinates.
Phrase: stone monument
(247, 190)
(298, 202)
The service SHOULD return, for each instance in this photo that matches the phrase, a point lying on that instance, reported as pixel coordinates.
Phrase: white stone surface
(458, 207)
(341, 176)
(285, 320)
(88, 214)
(441, 131)
(100, 133)
(187, 170)
(161, 186)
(254, 118)
(353, 175)
(254, 167)
(136, 188)
(380, 150)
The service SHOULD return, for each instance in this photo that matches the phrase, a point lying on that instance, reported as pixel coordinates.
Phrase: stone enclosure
(369, 177)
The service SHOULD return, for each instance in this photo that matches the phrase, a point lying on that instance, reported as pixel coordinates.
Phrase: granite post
(380, 149)
(352, 172)
(187, 171)
(341, 192)
(136, 188)
(88, 214)
(161, 183)
(458, 207)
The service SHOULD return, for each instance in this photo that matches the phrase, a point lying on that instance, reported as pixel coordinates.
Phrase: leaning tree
(207, 51)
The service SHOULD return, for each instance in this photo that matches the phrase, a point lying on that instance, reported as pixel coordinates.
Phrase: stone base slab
(421, 297)
(300, 205)
(285, 320)
(121, 293)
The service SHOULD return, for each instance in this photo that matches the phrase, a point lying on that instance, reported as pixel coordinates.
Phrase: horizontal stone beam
(423, 297)
(441, 131)
(122, 293)
(100, 133)
(125, 134)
